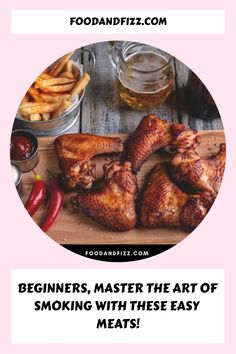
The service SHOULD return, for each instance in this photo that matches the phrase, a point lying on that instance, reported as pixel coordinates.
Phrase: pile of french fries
(53, 91)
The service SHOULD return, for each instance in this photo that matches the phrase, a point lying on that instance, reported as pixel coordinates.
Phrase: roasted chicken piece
(199, 174)
(113, 205)
(164, 204)
(152, 134)
(74, 152)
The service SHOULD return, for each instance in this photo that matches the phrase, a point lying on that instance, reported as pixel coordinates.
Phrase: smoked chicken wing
(74, 152)
(197, 173)
(113, 205)
(164, 204)
(152, 134)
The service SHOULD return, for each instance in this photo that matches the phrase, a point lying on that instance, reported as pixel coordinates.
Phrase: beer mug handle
(115, 52)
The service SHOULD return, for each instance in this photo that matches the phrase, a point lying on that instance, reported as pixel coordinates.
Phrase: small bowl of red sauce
(24, 149)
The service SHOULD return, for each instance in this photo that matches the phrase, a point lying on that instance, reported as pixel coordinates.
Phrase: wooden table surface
(103, 112)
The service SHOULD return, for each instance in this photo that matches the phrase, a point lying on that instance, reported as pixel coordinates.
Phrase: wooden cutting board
(72, 227)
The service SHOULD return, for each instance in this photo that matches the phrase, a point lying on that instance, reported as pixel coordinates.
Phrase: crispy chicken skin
(195, 210)
(164, 204)
(113, 205)
(152, 134)
(74, 152)
(197, 173)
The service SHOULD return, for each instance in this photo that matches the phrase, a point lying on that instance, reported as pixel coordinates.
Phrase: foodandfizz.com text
(114, 21)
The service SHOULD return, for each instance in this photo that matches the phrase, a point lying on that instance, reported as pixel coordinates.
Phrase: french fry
(26, 98)
(45, 116)
(26, 117)
(53, 91)
(37, 107)
(45, 76)
(51, 98)
(69, 66)
(53, 82)
(60, 64)
(66, 74)
(81, 84)
(34, 117)
(35, 94)
(46, 71)
(59, 88)
(64, 105)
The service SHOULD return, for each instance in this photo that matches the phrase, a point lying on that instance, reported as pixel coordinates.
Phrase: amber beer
(145, 76)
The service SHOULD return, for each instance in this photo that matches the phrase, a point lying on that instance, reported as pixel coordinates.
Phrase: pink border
(25, 246)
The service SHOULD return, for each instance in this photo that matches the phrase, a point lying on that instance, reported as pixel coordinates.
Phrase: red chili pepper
(55, 203)
(37, 195)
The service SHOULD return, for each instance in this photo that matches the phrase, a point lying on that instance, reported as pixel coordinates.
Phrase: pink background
(24, 245)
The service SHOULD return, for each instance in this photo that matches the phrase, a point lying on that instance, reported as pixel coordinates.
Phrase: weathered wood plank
(99, 107)
(182, 74)
(215, 124)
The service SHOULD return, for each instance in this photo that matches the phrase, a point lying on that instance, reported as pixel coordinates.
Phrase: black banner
(117, 253)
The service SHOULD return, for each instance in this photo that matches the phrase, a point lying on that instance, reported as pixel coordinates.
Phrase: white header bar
(117, 22)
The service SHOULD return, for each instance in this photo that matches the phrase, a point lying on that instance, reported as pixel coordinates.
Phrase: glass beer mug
(145, 75)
